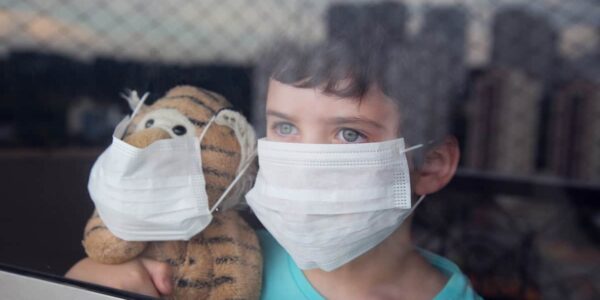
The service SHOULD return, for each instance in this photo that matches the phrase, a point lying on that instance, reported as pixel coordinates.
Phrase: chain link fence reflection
(528, 70)
(176, 31)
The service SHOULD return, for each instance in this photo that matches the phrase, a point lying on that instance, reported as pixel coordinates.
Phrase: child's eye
(285, 129)
(347, 135)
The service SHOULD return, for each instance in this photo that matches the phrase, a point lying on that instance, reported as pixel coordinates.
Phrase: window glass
(516, 82)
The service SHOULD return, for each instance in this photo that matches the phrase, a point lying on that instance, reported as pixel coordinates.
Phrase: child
(338, 216)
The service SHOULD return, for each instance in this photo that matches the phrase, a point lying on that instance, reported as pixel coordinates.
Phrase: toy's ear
(134, 100)
(243, 132)
(247, 168)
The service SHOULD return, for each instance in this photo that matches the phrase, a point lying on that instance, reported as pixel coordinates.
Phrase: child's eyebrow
(350, 120)
(279, 115)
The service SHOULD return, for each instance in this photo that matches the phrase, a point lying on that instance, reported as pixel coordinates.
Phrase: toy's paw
(102, 246)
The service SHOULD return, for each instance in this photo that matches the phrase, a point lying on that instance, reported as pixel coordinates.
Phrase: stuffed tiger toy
(224, 260)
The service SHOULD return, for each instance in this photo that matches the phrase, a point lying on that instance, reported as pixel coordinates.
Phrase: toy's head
(226, 146)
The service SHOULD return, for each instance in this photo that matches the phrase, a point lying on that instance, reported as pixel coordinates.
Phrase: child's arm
(142, 276)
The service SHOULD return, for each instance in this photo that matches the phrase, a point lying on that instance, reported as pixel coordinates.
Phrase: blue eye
(347, 135)
(285, 129)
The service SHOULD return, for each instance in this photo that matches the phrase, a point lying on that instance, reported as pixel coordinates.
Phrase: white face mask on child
(327, 204)
(158, 192)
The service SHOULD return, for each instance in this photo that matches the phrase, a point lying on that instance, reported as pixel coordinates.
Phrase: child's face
(305, 115)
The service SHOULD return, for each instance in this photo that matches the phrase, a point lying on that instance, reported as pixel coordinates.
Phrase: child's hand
(142, 276)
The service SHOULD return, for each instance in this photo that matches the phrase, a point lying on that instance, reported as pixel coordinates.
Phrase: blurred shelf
(535, 187)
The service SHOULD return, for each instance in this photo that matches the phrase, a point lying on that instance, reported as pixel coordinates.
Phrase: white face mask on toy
(158, 192)
(327, 204)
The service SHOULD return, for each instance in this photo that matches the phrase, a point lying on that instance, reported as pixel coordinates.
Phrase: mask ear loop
(141, 102)
(131, 98)
(232, 184)
(212, 120)
(410, 149)
(239, 175)
(418, 146)
(244, 166)
(412, 209)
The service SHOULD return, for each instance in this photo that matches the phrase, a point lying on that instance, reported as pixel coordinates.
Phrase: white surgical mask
(158, 192)
(327, 204)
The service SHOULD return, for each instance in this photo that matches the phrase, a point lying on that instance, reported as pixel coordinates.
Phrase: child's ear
(438, 168)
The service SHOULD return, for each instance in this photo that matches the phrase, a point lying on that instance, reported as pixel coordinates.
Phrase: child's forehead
(312, 103)
(281, 93)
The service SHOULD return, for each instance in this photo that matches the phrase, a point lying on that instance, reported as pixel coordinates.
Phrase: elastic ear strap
(132, 97)
(140, 103)
(233, 183)
(412, 148)
(412, 209)
(418, 146)
(212, 120)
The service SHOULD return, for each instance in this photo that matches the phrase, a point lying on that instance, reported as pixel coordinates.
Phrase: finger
(161, 274)
(132, 276)
(79, 271)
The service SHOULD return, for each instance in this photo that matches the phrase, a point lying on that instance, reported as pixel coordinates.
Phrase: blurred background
(521, 218)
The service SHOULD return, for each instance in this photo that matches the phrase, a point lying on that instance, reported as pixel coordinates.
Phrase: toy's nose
(144, 138)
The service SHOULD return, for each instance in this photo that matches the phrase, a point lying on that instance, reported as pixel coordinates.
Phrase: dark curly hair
(418, 74)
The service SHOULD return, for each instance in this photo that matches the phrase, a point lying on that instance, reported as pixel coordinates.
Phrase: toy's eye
(179, 130)
(149, 123)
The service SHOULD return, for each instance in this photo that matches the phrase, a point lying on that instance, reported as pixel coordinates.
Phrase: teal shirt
(282, 279)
